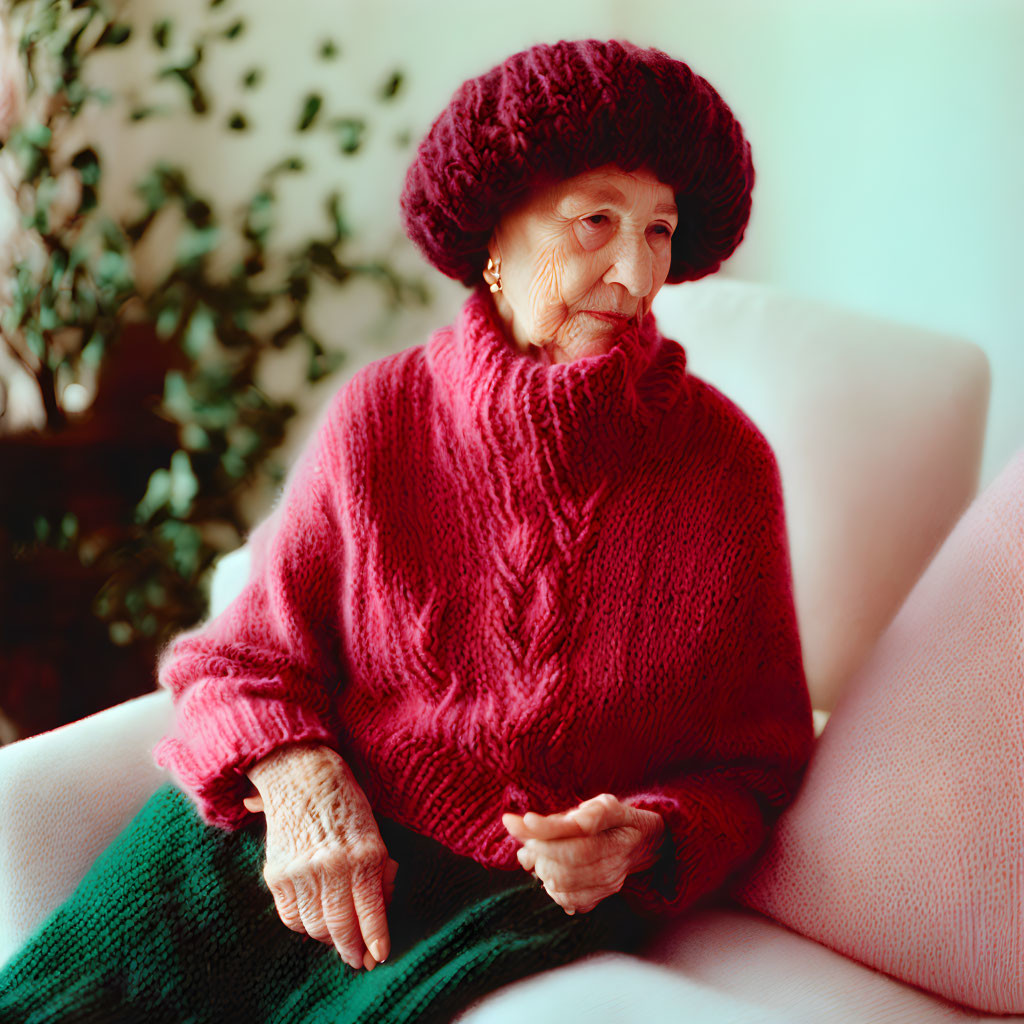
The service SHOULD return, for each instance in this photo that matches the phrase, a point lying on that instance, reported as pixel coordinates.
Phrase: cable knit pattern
(497, 585)
(904, 849)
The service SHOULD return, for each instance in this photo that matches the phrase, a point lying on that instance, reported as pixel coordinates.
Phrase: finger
(527, 857)
(599, 813)
(284, 901)
(308, 901)
(539, 826)
(564, 900)
(368, 899)
(341, 923)
(253, 803)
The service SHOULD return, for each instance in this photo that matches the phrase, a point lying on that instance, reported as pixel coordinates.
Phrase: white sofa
(878, 428)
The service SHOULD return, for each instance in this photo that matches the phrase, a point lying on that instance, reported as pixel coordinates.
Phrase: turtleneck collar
(579, 419)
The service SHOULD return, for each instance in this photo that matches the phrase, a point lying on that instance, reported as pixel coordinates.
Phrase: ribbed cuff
(711, 828)
(210, 753)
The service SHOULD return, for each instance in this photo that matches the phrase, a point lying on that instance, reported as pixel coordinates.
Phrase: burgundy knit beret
(554, 111)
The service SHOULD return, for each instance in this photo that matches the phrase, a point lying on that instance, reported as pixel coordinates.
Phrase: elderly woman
(528, 592)
(527, 595)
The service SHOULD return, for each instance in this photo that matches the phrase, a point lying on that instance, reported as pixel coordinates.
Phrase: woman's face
(582, 258)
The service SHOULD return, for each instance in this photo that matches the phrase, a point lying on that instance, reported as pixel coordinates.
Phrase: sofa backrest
(878, 429)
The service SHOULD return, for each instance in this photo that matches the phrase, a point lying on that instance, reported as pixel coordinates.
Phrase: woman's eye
(662, 229)
(593, 230)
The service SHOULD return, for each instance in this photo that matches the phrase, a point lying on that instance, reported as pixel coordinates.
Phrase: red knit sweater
(496, 585)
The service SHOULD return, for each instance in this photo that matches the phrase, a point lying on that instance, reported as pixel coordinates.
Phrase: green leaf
(41, 528)
(334, 212)
(328, 50)
(177, 397)
(349, 132)
(151, 190)
(200, 333)
(252, 78)
(92, 354)
(198, 213)
(186, 76)
(260, 216)
(244, 441)
(162, 33)
(87, 163)
(115, 34)
(121, 634)
(237, 122)
(35, 341)
(38, 135)
(289, 165)
(167, 321)
(144, 113)
(89, 200)
(233, 465)
(58, 266)
(185, 543)
(183, 484)
(48, 318)
(194, 438)
(310, 109)
(69, 526)
(112, 237)
(112, 271)
(390, 88)
(194, 245)
(235, 29)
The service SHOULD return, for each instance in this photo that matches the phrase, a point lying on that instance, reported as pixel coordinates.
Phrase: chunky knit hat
(554, 111)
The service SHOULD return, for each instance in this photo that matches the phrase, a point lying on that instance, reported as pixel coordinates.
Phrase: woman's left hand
(586, 854)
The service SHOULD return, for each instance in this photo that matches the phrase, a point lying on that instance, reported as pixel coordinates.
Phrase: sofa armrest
(64, 796)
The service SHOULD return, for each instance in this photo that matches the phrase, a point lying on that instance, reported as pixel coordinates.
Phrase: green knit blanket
(174, 924)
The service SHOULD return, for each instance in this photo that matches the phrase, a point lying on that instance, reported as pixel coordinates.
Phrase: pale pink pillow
(905, 846)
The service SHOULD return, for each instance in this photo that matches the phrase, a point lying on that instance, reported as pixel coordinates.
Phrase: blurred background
(200, 241)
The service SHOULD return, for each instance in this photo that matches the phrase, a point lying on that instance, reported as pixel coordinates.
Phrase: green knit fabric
(175, 924)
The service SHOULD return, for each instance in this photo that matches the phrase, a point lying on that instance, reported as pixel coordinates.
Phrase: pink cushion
(905, 846)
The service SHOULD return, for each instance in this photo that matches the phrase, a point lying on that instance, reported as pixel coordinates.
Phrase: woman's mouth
(608, 316)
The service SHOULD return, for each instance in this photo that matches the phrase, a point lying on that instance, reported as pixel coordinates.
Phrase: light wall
(888, 138)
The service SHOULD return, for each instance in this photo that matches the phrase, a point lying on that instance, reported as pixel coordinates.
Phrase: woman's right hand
(327, 866)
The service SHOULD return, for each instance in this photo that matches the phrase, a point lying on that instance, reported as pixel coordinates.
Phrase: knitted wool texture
(495, 585)
(904, 848)
(554, 111)
(174, 923)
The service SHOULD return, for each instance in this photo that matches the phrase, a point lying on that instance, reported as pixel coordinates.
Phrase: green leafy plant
(74, 310)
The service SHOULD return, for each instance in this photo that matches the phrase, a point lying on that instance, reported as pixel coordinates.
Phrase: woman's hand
(586, 854)
(327, 866)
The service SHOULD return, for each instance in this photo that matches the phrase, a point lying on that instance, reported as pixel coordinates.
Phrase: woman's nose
(632, 266)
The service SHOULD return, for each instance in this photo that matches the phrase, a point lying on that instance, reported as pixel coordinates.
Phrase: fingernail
(376, 948)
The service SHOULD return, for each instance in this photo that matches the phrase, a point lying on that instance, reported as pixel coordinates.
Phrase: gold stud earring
(492, 274)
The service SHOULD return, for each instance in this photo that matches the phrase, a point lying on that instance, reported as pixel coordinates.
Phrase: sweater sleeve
(719, 809)
(267, 670)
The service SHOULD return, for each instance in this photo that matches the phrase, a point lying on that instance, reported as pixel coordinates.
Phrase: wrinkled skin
(586, 854)
(327, 867)
(598, 243)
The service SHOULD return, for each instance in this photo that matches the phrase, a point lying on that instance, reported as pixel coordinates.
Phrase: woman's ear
(492, 272)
